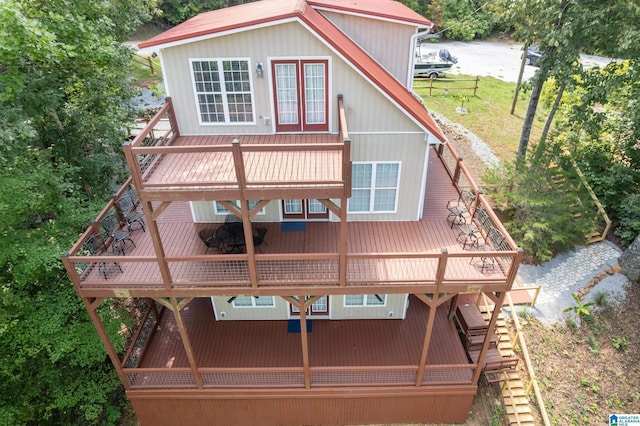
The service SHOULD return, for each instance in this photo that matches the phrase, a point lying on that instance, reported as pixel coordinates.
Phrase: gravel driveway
(495, 59)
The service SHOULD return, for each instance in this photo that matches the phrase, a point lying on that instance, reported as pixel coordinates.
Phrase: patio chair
(470, 233)
(127, 205)
(493, 241)
(459, 208)
(113, 228)
(95, 246)
(208, 237)
(259, 239)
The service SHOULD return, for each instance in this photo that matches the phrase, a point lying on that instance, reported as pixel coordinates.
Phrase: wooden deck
(261, 164)
(235, 344)
(378, 253)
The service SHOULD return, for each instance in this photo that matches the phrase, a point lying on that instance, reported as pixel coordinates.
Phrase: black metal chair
(459, 208)
(113, 228)
(494, 241)
(95, 246)
(259, 239)
(127, 205)
(470, 233)
(208, 237)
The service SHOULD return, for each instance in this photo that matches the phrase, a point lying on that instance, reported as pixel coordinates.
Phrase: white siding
(387, 42)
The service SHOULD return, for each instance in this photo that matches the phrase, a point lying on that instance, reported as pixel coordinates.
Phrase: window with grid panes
(374, 187)
(223, 90)
(252, 302)
(365, 299)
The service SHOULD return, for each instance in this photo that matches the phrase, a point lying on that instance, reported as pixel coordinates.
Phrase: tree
(63, 104)
(563, 30)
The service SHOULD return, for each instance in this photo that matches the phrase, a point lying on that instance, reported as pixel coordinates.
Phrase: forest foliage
(64, 91)
(63, 107)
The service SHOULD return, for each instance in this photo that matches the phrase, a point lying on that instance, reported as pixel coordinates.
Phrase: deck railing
(229, 272)
(227, 167)
(273, 377)
(462, 180)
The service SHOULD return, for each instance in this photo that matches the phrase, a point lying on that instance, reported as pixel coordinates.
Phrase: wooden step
(522, 410)
(518, 391)
(522, 418)
(516, 400)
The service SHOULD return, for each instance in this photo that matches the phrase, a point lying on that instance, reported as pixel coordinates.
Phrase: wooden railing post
(456, 171)
(172, 117)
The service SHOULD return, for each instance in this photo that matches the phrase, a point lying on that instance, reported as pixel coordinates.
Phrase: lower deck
(231, 344)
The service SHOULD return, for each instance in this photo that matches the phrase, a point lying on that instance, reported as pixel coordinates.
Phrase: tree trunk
(547, 125)
(528, 119)
(519, 83)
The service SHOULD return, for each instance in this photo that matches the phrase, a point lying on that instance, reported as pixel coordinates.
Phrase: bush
(544, 214)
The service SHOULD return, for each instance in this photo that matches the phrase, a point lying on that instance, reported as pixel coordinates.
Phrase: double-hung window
(365, 299)
(221, 209)
(223, 90)
(374, 187)
(254, 302)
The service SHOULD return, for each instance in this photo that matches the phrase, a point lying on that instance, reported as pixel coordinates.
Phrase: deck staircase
(514, 392)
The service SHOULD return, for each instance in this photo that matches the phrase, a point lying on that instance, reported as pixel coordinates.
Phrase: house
(334, 264)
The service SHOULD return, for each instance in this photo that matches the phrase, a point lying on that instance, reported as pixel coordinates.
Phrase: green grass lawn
(487, 113)
(141, 71)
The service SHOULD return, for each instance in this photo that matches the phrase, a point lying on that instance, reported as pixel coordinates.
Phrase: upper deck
(167, 166)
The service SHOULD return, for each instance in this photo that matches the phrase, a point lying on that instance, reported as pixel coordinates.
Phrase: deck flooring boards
(235, 344)
(429, 235)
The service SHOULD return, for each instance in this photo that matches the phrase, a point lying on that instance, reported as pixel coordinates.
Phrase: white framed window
(254, 302)
(223, 90)
(220, 209)
(374, 187)
(365, 299)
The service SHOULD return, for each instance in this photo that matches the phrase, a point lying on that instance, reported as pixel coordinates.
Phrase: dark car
(533, 55)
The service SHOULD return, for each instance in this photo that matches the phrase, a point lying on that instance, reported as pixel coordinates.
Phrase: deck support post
(241, 176)
(186, 342)
(343, 243)
(154, 233)
(91, 306)
(305, 342)
(487, 338)
(433, 306)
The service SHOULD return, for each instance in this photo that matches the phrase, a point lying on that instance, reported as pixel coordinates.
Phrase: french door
(319, 308)
(304, 209)
(301, 95)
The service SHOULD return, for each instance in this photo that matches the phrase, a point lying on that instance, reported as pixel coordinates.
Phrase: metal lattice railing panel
(298, 271)
(363, 377)
(253, 378)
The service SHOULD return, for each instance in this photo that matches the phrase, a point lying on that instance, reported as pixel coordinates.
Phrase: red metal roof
(388, 9)
(264, 11)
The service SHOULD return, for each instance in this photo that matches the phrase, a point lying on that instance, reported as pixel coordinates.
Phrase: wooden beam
(102, 332)
(487, 338)
(426, 342)
(335, 209)
(184, 302)
(342, 246)
(186, 343)
(162, 207)
(154, 233)
(164, 301)
(424, 299)
(305, 345)
(311, 300)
